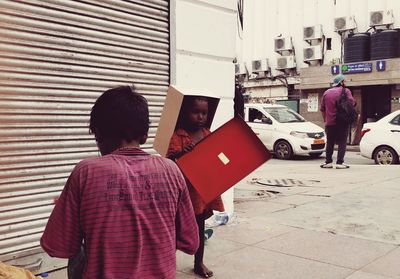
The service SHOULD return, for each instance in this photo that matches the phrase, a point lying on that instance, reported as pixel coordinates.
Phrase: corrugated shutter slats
(56, 57)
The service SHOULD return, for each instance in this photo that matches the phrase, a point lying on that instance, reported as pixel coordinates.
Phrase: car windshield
(284, 114)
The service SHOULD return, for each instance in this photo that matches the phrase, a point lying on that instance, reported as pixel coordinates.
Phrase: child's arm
(178, 154)
(177, 149)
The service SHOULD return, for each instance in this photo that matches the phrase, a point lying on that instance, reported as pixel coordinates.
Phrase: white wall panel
(283, 17)
(342, 8)
(227, 4)
(205, 72)
(197, 31)
(394, 5)
(374, 5)
(203, 44)
(326, 14)
(249, 15)
(257, 30)
(271, 31)
(310, 14)
(360, 8)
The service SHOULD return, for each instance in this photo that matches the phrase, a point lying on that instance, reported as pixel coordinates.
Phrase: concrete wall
(313, 116)
(203, 42)
(265, 20)
(321, 77)
(276, 93)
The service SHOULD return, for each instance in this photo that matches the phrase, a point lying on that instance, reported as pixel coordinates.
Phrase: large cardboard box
(223, 158)
(172, 114)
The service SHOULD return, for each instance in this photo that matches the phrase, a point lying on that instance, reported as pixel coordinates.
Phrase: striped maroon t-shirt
(131, 209)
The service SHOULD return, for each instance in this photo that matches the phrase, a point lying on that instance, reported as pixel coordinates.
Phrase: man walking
(335, 132)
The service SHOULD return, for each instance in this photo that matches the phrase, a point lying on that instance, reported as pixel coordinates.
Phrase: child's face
(198, 113)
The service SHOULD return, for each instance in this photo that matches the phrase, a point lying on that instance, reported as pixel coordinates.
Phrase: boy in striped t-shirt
(130, 210)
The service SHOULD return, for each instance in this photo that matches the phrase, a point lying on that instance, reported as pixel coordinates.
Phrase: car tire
(315, 155)
(385, 155)
(283, 150)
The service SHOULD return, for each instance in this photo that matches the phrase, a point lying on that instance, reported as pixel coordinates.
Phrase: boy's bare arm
(187, 235)
(62, 237)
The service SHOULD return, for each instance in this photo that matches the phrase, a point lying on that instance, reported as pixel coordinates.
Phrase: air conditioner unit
(240, 69)
(344, 23)
(283, 43)
(285, 62)
(259, 66)
(312, 32)
(381, 18)
(312, 53)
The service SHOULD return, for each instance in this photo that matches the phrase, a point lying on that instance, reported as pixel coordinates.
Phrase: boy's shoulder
(91, 162)
(164, 161)
(106, 161)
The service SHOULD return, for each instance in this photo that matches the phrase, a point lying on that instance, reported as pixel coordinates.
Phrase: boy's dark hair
(119, 114)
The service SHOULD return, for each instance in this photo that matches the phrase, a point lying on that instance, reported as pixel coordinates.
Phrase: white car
(381, 140)
(285, 132)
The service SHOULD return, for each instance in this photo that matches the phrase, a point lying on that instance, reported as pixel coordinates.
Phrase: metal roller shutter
(56, 57)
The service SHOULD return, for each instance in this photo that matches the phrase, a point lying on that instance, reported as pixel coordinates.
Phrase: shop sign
(356, 68)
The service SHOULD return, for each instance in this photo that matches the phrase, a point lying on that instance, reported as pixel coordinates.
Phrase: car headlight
(299, 134)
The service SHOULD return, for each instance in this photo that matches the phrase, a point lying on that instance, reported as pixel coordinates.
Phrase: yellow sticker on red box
(223, 158)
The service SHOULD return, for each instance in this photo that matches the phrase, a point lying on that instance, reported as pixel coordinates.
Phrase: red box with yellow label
(223, 158)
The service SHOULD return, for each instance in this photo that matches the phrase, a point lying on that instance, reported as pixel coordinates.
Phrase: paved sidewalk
(329, 224)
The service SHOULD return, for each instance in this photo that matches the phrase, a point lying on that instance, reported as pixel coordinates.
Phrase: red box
(223, 158)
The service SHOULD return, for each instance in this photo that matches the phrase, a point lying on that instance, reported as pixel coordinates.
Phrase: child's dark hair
(187, 104)
(119, 114)
(189, 100)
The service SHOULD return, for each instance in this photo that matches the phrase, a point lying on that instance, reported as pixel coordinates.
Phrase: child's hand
(185, 150)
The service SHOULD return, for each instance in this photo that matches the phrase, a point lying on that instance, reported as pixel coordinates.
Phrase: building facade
(318, 39)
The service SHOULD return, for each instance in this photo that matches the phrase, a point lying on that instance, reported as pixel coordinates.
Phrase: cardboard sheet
(172, 112)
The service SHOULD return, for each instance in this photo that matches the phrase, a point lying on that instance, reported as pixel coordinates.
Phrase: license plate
(319, 141)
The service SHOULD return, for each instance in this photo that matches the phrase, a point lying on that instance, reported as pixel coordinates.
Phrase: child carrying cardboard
(190, 130)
